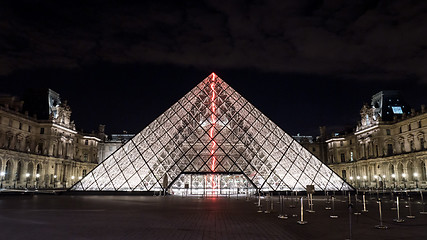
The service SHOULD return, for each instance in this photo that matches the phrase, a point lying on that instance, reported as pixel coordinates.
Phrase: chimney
(322, 132)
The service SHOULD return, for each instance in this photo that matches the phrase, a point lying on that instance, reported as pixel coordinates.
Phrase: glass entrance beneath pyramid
(211, 185)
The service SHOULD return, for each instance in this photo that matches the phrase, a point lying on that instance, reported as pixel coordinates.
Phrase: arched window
(8, 174)
(18, 172)
(423, 171)
(38, 169)
(30, 171)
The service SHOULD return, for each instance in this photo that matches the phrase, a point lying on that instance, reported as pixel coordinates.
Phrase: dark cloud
(348, 39)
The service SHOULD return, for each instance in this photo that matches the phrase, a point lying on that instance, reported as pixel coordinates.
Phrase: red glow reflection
(211, 131)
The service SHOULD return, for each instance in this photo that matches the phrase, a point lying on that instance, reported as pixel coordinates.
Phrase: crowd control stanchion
(364, 204)
(380, 226)
(328, 202)
(267, 204)
(410, 216)
(349, 219)
(356, 212)
(293, 198)
(302, 222)
(333, 215)
(310, 203)
(398, 219)
(259, 203)
(393, 202)
(422, 203)
(282, 205)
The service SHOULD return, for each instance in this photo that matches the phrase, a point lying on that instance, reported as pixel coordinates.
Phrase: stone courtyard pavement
(172, 217)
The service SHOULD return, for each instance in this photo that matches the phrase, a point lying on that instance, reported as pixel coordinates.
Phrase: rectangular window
(409, 127)
(344, 174)
(29, 128)
(397, 109)
(419, 124)
(388, 132)
(351, 142)
(342, 157)
(86, 142)
(41, 130)
(400, 129)
(422, 143)
(351, 156)
(20, 126)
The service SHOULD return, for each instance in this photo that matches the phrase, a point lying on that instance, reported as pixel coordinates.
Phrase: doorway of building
(211, 184)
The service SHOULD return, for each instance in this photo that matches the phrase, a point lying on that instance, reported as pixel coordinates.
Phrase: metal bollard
(410, 216)
(333, 215)
(422, 203)
(282, 204)
(259, 203)
(380, 226)
(364, 204)
(356, 212)
(267, 204)
(328, 202)
(302, 222)
(398, 219)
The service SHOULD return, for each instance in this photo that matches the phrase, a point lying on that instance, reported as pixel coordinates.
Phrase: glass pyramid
(211, 132)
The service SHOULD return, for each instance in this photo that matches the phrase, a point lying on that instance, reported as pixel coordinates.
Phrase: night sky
(302, 63)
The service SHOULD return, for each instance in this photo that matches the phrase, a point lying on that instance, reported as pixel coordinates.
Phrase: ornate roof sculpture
(211, 130)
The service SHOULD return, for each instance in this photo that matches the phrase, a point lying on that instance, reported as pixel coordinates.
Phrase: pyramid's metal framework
(211, 130)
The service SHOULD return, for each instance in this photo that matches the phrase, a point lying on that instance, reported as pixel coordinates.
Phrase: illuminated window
(397, 109)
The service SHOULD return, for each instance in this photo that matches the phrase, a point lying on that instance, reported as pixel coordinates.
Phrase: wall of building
(44, 152)
(382, 153)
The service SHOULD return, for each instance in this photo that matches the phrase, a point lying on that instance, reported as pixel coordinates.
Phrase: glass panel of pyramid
(211, 130)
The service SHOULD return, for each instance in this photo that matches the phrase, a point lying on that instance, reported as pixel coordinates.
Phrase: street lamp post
(27, 175)
(376, 181)
(37, 180)
(2, 178)
(358, 181)
(364, 180)
(404, 180)
(394, 180)
(416, 179)
(383, 180)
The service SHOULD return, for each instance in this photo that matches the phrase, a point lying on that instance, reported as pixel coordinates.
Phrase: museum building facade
(387, 149)
(39, 144)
